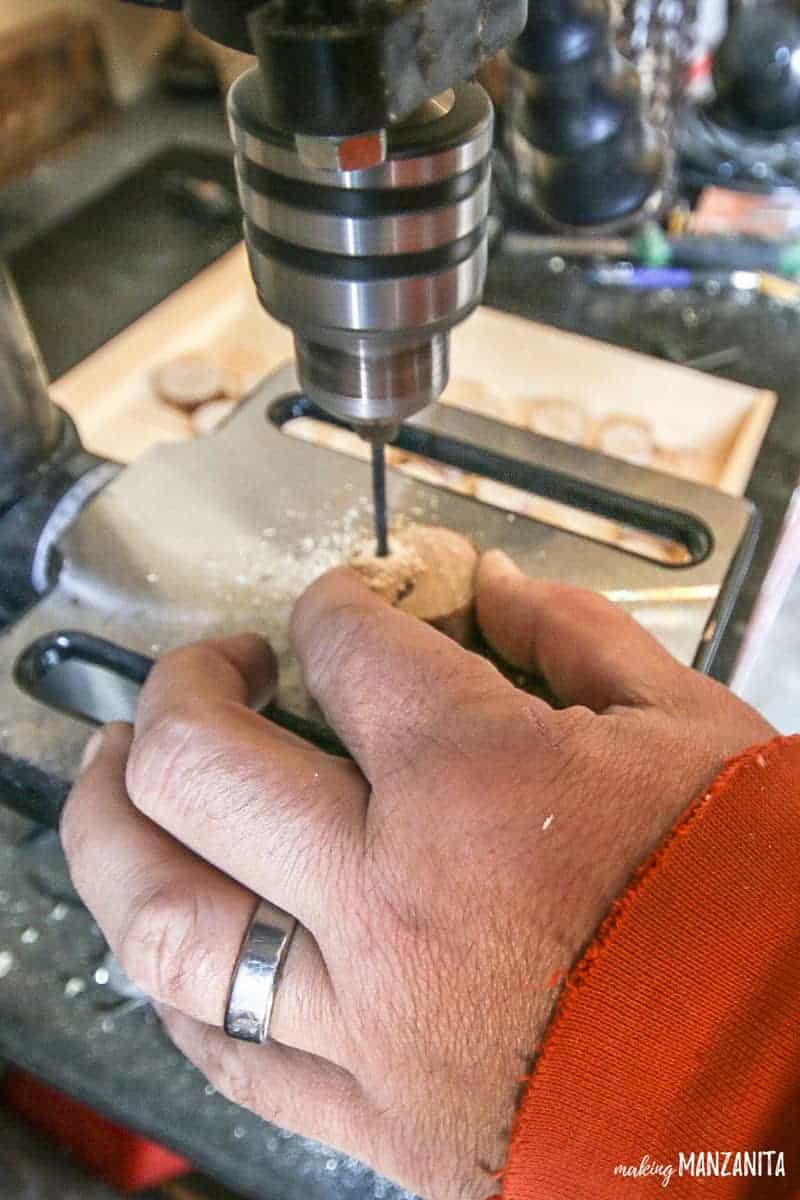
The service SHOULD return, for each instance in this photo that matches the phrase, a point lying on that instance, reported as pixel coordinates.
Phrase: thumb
(588, 650)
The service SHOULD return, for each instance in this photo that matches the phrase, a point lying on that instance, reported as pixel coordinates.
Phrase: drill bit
(379, 497)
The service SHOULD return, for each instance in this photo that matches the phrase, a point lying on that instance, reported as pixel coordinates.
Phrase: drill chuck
(371, 267)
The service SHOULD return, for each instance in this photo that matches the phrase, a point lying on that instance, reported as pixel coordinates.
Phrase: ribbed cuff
(679, 1031)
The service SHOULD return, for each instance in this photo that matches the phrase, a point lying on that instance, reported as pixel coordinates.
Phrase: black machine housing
(364, 64)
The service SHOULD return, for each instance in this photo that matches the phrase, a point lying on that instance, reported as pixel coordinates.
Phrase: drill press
(363, 169)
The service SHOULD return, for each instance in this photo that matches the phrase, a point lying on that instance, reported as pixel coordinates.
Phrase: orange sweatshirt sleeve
(679, 1032)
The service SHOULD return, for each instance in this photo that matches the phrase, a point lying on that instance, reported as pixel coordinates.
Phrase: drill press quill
(370, 267)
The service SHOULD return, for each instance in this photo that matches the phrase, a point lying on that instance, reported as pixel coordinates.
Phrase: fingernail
(91, 749)
(498, 560)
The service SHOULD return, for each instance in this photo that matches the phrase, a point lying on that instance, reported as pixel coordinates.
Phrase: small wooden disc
(429, 573)
(627, 437)
(188, 382)
(562, 419)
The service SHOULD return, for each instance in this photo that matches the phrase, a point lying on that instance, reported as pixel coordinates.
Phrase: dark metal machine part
(747, 136)
(23, 525)
(31, 427)
(757, 69)
(122, 252)
(310, 52)
(151, 246)
(41, 459)
(580, 151)
(379, 498)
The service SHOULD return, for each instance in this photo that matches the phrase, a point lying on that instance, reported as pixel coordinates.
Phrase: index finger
(251, 798)
(241, 668)
(393, 688)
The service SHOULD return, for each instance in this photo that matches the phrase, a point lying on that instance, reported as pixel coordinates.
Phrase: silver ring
(255, 976)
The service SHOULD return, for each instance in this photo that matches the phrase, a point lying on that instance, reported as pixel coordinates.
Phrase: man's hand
(443, 879)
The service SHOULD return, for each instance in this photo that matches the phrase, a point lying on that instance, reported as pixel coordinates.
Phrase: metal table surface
(61, 1025)
(108, 1058)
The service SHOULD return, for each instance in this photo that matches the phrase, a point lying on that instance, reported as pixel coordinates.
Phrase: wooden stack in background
(516, 371)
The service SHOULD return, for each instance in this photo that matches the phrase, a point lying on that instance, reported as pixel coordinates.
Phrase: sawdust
(393, 577)
(428, 573)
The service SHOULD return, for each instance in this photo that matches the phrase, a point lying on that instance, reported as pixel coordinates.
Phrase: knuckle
(173, 662)
(471, 681)
(350, 630)
(568, 726)
(393, 918)
(260, 1101)
(76, 840)
(225, 1070)
(69, 829)
(161, 758)
(159, 947)
(673, 689)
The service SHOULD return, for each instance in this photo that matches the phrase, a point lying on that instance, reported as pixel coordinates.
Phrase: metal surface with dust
(222, 535)
(60, 1020)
